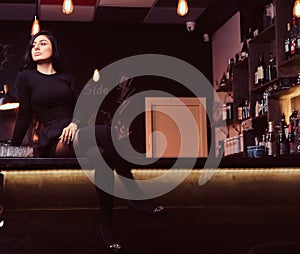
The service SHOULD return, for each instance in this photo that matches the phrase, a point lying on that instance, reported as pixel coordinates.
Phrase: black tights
(106, 148)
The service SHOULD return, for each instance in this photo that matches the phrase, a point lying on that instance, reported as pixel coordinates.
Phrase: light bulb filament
(67, 7)
(296, 10)
(35, 26)
(182, 8)
(96, 76)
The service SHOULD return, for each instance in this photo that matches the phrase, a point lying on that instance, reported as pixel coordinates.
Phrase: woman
(47, 92)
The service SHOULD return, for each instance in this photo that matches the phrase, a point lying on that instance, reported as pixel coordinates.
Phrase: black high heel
(1, 217)
(106, 235)
(146, 207)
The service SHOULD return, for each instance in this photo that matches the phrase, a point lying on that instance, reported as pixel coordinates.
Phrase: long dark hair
(27, 61)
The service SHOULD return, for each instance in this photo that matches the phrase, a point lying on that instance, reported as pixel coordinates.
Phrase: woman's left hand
(68, 133)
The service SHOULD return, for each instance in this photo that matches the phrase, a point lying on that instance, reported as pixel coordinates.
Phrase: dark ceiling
(208, 14)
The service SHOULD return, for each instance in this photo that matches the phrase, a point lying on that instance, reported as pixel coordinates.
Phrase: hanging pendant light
(182, 8)
(35, 25)
(296, 9)
(96, 76)
(67, 7)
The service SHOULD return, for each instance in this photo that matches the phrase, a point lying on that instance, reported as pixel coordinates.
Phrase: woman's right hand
(68, 133)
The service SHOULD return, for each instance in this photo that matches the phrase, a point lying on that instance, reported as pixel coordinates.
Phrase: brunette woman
(47, 93)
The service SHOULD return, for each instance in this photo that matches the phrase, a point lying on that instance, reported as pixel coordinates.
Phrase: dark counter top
(165, 163)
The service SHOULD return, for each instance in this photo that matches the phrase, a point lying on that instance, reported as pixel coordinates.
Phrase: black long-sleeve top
(48, 98)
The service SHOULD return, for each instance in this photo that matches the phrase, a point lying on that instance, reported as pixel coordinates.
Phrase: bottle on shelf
(287, 41)
(246, 110)
(240, 110)
(223, 81)
(229, 110)
(244, 50)
(260, 70)
(268, 16)
(291, 139)
(298, 80)
(229, 71)
(297, 140)
(249, 36)
(271, 69)
(263, 141)
(293, 119)
(282, 140)
(257, 108)
(293, 38)
(265, 99)
(272, 142)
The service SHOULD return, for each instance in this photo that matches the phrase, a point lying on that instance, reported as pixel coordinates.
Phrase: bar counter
(13, 163)
(33, 183)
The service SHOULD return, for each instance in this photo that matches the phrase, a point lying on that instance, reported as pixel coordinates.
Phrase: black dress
(50, 100)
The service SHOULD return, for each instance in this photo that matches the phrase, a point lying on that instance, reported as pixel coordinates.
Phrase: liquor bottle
(266, 95)
(249, 36)
(263, 142)
(240, 110)
(282, 140)
(297, 140)
(229, 110)
(298, 44)
(293, 119)
(257, 108)
(229, 71)
(298, 80)
(223, 81)
(261, 68)
(272, 142)
(293, 37)
(246, 110)
(287, 41)
(244, 50)
(271, 70)
(268, 15)
(291, 139)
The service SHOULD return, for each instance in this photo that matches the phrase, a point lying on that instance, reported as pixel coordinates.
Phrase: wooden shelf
(263, 87)
(290, 68)
(242, 64)
(265, 36)
(286, 93)
(259, 118)
(225, 89)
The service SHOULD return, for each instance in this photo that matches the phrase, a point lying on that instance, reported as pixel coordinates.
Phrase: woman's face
(41, 49)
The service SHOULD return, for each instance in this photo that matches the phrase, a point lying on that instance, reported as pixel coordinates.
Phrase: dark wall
(88, 45)
(85, 46)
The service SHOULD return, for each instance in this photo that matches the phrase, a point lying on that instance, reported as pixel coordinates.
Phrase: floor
(192, 230)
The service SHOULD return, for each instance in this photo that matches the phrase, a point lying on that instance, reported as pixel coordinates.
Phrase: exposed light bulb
(182, 8)
(296, 9)
(67, 7)
(35, 26)
(96, 76)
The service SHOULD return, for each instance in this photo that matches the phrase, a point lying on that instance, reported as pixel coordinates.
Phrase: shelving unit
(270, 40)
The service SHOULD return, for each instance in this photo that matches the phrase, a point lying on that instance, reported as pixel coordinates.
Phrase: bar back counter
(62, 183)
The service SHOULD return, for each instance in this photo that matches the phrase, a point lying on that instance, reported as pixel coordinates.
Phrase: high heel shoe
(146, 207)
(112, 245)
(1, 217)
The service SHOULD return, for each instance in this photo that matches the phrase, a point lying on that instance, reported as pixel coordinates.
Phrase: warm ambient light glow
(67, 7)
(96, 76)
(182, 8)
(7, 101)
(9, 106)
(35, 26)
(296, 10)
